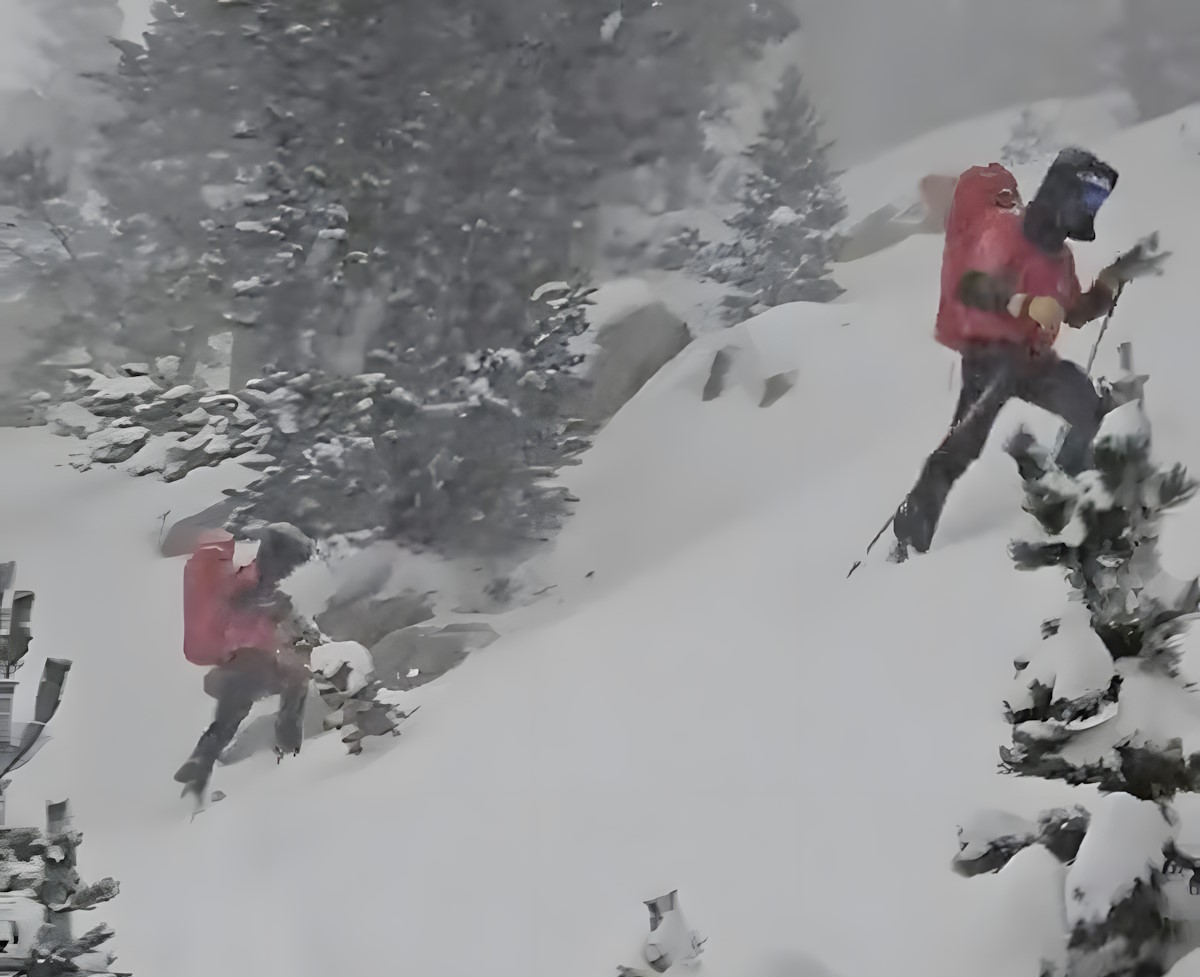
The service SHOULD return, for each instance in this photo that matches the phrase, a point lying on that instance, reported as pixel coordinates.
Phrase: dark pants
(991, 375)
(251, 674)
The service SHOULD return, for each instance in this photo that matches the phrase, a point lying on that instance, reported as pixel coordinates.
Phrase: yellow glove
(1047, 312)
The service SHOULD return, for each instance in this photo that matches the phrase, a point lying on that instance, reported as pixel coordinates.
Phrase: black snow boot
(194, 775)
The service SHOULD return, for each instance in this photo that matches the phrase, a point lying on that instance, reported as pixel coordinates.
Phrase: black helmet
(282, 550)
(1066, 204)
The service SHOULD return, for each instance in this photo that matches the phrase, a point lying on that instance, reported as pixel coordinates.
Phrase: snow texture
(1124, 845)
(1073, 664)
(1125, 425)
(327, 659)
(671, 714)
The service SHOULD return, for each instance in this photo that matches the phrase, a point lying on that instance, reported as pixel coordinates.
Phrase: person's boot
(194, 775)
(913, 529)
(289, 730)
(899, 552)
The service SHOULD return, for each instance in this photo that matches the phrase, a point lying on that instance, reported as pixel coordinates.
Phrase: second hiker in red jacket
(241, 625)
(1008, 285)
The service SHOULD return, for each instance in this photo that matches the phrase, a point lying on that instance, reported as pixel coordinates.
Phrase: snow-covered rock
(168, 367)
(431, 650)
(76, 356)
(629, 350)
(195, 418)
(72, 419)
(115, 444)
(219, 444)
(111, 390)
(328, 659)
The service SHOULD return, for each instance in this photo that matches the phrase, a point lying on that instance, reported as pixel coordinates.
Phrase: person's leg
(236, 687)
(1061, 387)
(292, 678)
(985, 390)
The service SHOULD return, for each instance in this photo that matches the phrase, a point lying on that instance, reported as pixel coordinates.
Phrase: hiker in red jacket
(242, 626)
(1008, 285)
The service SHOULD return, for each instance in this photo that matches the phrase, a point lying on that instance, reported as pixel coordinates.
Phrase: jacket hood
(979, 189)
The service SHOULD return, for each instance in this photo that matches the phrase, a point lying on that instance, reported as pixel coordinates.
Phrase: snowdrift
(703, 703)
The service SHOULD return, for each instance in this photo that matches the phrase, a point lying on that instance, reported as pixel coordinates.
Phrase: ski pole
(969, 416)
(1062, 431)
(1104, 328)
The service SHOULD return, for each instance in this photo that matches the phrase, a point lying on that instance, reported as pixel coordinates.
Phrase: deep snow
(704, 702)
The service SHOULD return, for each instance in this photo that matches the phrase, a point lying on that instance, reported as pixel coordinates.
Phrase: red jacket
(213, 628)
(983, 233)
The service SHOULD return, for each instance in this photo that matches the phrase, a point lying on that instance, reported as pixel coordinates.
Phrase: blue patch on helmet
(1093, 193)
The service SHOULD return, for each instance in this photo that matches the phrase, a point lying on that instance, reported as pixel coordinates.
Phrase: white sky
(18, 34)
(137, 15)
(881, 70)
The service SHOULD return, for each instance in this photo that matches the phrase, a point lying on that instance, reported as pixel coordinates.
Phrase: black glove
(979, 290)
(1141, 260)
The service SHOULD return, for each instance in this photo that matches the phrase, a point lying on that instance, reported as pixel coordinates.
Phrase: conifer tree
(791, 206)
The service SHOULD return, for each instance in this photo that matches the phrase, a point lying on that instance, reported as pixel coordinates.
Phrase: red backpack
(207, 587)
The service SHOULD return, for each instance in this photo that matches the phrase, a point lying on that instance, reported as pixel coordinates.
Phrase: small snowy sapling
(1099, 699)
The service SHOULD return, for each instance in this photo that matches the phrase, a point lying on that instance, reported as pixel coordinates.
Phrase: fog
(137, 15)
(881, 70)
(18, 34)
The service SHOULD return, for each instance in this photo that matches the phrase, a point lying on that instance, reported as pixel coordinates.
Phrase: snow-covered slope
(891, 178)
(705, 702)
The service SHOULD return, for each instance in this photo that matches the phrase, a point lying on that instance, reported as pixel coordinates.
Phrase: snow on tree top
(327, 660)
(1073, 663)
(1124, 843)
(783, 215)
(1127, 423)
(980, 832)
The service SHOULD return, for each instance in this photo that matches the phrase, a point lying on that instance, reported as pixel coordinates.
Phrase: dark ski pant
(253, 674)
(992, 374)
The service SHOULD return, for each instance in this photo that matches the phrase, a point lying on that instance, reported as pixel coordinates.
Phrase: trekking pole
(1104, 328)
(969, 416)
(1062, 431)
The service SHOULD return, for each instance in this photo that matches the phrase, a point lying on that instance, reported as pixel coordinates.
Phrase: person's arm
(1144, 258)
(991, 284)
(1097, 301)
(992, 293)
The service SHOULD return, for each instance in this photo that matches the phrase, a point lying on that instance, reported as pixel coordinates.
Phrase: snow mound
(329, 659)
(703, 701)
(1124, 843)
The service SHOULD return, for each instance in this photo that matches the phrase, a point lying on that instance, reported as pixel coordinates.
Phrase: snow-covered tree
(1028, 140)
(1156, 54)
(1094, 700)
(43, 868)
(790, 208)
(72, 287)
(73, 47)
(342, 674)
(457, 466)
(1102, 530)
(362, 197)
